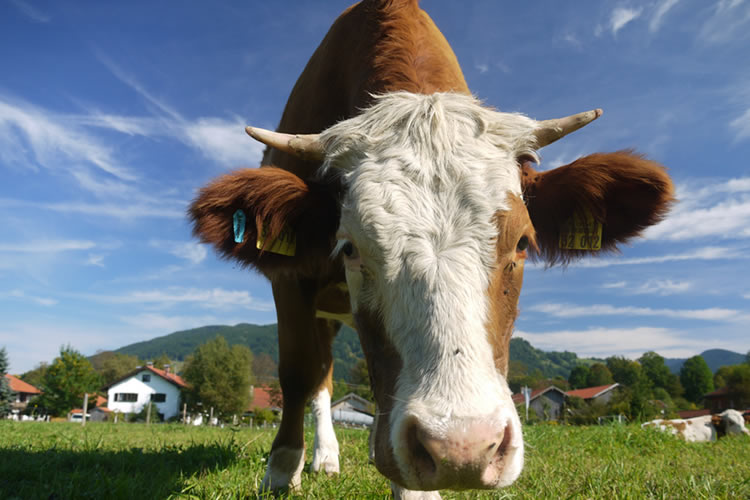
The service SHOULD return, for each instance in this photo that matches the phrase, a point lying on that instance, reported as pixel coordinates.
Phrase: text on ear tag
(284, 244)
(581, 232)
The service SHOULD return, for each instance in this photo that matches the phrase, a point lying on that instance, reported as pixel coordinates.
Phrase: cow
(703, 428)
(393, 200)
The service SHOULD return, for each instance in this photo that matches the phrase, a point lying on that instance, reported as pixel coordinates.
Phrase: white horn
(305, 146)
(551, 130)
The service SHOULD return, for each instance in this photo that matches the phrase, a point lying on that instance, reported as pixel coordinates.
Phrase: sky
(113, 115)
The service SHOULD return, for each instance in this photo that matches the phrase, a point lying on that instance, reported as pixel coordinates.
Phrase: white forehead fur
(424, 176)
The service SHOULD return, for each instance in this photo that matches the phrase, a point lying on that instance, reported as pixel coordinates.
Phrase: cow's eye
(523, 244)
(349, 250)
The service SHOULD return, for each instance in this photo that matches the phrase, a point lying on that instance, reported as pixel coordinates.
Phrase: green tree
(219, 376)
(35, 377)
(6, 395)
(117, 366)
(655, 369)
(624, 371)
(696, 378)
(161, 361)
(578, 378)
(599, 374)
(738, 385)
(65, 382)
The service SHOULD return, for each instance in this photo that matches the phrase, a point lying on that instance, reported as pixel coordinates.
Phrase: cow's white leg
(371, 438)
(400, 493)
(284, 471)
(326, 447)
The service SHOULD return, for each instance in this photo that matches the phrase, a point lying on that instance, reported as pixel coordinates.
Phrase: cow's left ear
(623, 192)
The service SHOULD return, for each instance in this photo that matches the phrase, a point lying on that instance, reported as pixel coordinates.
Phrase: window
(158, 397)
(126, 397)
(146, 377)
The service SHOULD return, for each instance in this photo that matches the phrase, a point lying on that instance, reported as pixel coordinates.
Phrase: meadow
(171, 461)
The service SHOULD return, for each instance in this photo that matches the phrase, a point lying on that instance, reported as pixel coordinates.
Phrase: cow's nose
(472, 453)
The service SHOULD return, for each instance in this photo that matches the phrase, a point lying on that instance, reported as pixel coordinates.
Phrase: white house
(352, 410)
(132, 392)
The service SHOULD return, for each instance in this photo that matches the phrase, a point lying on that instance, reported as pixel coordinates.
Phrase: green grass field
(103, 461)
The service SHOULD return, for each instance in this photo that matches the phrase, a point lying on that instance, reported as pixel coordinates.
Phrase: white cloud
(622, 16)
(31, 12)
(223, 141)
(661, 11)
(95, 260)
(172, 209)
(20, 294)
(662, 287)
(193, 252)
(573, 311)
(629, 342)
(741, 126)
(482, 68)
(159, 323)
(216, 298)
(618, 284)
(47, 246)
(728, 24)
(704, 253)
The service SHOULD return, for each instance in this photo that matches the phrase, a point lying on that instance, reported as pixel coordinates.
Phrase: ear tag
(239, 220)
(581, 232)
(285, 244)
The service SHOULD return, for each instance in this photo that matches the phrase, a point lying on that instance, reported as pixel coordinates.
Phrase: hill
(259, 338)
(715, 359)
(346, 349)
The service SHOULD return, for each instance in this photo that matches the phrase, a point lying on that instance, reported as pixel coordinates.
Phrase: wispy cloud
(718, 210)
(215, 298)
(704, 253)
(573, 311)
(31, 12)
(741, 126)
(95, 260)
(20, 294)
(193, 252)
(164, 324)
(662, 287)
(618, 284)
(621, 16)
(729, 22)
(662, 9)
(629, 342)
(47, 246)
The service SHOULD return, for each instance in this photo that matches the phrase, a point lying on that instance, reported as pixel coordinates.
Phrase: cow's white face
(433, 236)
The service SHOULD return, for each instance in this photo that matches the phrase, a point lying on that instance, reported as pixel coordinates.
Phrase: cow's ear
(623, 192)
(296, 220)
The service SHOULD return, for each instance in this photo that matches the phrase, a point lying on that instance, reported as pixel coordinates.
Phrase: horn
(551, 130)
(305, 146)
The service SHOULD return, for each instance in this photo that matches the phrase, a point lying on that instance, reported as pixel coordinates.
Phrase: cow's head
(436, 209)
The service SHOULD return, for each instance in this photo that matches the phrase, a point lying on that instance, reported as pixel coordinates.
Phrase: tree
(161, 361)
(655, 369)
(35, 377)
(738, 385)
(624, 371)
(65, 382)
(579, 376)
(696, 378)
(6, 395)
(220, 376)
(117, 366)
(599, 374)
(265, 368)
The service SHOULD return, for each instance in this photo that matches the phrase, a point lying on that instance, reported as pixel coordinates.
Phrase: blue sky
(112, 115)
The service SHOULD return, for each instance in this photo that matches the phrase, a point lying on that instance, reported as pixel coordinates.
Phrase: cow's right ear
(267, 218)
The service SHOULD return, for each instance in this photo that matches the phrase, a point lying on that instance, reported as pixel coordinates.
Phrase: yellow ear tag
(581, 232)
(285, 244)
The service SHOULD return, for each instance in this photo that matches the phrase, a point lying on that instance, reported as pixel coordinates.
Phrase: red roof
(591, 392)
(171, 377)
(18, 385)
(261, 398)
(722, 391)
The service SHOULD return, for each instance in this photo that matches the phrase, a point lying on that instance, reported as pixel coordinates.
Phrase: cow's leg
(326, 448)
(304, 363)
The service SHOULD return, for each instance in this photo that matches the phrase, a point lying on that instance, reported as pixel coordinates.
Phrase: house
(100, 414)
(599, 394)
(263, 398)
(722, 399)
(547, 403)
(132, 392)
(353, 410)
(22, 392)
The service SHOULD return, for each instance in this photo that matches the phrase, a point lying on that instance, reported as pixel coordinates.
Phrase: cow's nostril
(423, 460)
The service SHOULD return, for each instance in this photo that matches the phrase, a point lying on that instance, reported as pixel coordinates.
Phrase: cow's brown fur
(623, 191)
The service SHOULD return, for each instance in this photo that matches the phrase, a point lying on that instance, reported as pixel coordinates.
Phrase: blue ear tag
(239, 226)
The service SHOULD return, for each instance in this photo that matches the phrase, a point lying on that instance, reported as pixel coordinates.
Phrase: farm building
(599, 394)
(721, 399)
(262, 398)
(352, 409)
(22, 393)
(547, 403)
(132, 392)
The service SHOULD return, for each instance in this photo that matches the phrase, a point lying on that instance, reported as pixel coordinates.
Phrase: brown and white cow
(411, 212)
(703, 428)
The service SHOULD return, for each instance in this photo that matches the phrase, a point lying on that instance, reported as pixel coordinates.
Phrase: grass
(62, 460)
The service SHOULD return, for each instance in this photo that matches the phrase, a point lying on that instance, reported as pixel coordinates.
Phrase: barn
(132, 392)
